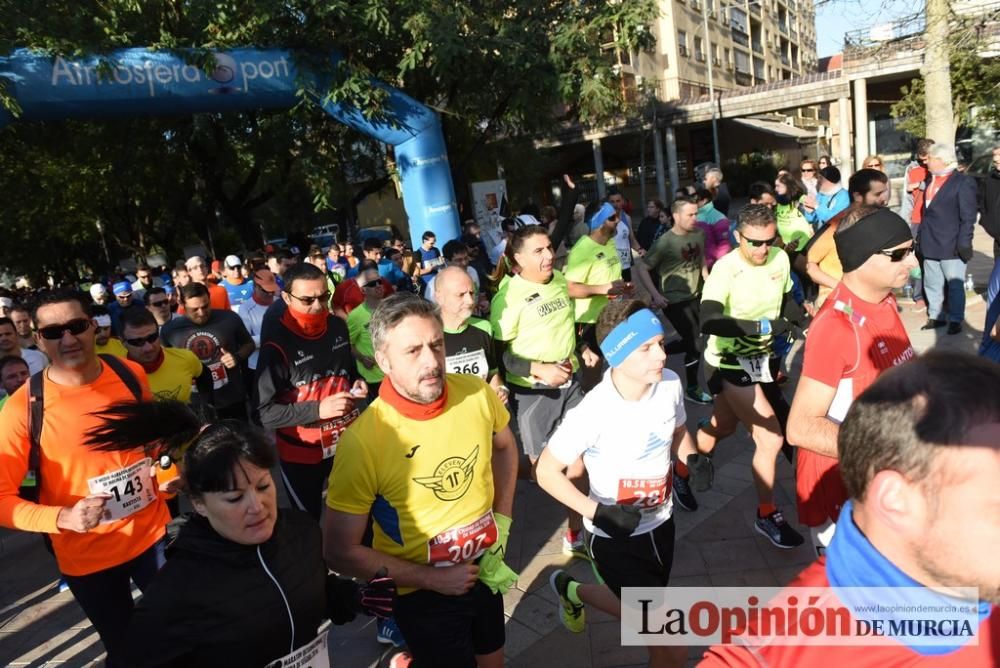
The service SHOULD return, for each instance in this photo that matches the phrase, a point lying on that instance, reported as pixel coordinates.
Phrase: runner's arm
(808, 425)
(819, 276)
(584, 290)
(272, 380)
(641, 273)
(203, 382)
(504, 465)
(551, 476)
(566, 205)
(683, 443)
(715, 322)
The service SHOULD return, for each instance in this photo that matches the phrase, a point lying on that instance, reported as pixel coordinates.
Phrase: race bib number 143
(131, 489)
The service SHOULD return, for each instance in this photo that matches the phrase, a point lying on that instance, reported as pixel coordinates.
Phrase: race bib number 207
(464, 543)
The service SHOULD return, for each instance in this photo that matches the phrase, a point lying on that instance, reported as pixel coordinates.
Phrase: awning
(775, 128)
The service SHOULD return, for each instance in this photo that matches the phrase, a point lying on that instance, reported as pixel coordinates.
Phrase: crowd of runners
(400, 396)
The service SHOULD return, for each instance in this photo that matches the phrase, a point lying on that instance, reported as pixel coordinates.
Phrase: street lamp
(711, 84)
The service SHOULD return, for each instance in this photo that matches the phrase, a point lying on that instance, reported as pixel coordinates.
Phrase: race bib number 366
(464, 543)
(131, 490)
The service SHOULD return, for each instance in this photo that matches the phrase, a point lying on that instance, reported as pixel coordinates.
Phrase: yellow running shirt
(427, 483)
(174, 377)
(591, 263)
(112, 347)
(746, 292)
(537, 321)
(357, 327)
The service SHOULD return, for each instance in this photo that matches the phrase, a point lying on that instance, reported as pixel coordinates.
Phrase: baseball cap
(233, 261)
(98, 290)
(122, 288)
(265, 279)
(830, 173)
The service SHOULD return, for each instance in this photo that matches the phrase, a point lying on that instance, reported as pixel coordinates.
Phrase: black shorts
(641, 561)
(539, 412)
(449, 631)
(738, 377)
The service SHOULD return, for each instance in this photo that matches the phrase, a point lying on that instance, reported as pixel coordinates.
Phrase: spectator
(720, 193)
(831, 198)
(989, 202)
(651, 226)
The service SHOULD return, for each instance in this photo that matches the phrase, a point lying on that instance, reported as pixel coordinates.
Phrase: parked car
(383, 233)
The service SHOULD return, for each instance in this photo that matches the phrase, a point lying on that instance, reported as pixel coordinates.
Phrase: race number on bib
(647, 494)
(330, 431)
(219, 375)
(464, 543)
(313, 655)
(469, 363)
(131, 490)
(757, 367)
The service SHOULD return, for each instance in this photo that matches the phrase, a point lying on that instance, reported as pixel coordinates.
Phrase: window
(715, 55)
(699, 49)
(742, 61)
(682, 43)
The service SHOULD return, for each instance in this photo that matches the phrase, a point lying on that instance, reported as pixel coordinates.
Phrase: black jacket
(214, 604)
(948, 222)
(989, 203)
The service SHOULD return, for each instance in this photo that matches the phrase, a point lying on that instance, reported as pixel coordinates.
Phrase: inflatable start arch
(137, 82)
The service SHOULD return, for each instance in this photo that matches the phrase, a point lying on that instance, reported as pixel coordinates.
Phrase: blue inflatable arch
(144, 82)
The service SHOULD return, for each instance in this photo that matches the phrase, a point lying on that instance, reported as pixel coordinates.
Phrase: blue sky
(836, 17)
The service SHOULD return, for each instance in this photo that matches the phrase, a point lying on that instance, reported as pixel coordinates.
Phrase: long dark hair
(507, 265)
(209, 450)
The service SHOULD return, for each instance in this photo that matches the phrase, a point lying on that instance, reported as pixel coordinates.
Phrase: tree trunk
(937, 74)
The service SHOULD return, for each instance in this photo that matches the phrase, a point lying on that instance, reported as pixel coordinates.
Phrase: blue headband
(640, 327)
(602, 214)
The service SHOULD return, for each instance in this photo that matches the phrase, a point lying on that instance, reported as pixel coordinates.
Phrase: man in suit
(945, 238)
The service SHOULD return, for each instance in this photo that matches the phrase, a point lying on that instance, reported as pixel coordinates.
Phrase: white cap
(232, 261)
(98, 290)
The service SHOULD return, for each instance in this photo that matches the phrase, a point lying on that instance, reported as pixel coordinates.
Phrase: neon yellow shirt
(174, 377)
(421, 479)
(537, 320)
(591, 263)
(112, 347)
(746, 292)
(357, 328)
(792, 225)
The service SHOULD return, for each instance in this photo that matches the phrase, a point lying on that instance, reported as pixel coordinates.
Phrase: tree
(494, 69)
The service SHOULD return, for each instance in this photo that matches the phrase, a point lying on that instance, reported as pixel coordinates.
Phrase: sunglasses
(75, 327)
(308, 301)
(757, 243)
(897, 254)
(808, 170)
(873, 165)
(143, 340)
(162, 302)
(372, 284)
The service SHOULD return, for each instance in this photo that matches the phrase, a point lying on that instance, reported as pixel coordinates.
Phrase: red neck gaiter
(267, 303)
(411, 409)
(152, 366)
(306, 325)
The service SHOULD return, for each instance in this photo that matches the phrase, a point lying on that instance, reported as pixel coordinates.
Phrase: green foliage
(748, 168)
(493, 69)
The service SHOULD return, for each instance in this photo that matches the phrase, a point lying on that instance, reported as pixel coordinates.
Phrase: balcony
(755, 10)
(783, 27)
(741, 38)
(784, 60)
(758, 47)
(743, 79)
(793, 34)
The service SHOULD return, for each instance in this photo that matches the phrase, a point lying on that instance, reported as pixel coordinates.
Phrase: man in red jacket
(920, 455)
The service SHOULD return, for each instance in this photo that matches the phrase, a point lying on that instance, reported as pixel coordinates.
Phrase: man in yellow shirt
(104, 343)
(434, 462)
(171, 371)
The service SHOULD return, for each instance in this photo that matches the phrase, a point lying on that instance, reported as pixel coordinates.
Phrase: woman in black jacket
(245, 583)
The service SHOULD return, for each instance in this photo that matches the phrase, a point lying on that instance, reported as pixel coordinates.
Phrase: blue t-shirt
(237, 293)
(429, 258)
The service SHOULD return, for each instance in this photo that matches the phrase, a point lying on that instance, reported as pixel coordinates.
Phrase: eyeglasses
(161, 303)
(757, 243)
(234, 266)
(377, 283)
(308, 301)
(75, 327)
(897, 254)
(143, 340)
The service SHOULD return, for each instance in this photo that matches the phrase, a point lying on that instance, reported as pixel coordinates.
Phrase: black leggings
(304, 484)
(685, 316)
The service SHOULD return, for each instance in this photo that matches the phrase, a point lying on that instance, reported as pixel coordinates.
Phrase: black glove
(702, 472)
(618, 521)
(780, 326)
(965, 253)
(377, 597)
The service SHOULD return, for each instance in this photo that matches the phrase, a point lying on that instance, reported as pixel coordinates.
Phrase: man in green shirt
(357, 327)
(678, 258)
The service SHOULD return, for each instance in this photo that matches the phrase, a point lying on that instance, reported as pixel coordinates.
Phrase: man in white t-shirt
(625, 241)
(630, 531)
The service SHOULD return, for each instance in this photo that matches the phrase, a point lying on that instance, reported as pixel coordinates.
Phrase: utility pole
(711, 85)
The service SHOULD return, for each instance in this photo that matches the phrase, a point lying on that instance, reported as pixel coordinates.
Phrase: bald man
(468, 342)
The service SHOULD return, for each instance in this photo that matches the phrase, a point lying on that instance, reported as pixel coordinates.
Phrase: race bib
(470, 363)
(757, 367)
(626, 257)
(219, 375)
(131, 490)
(330, 431)
(465, 543)
(647, 494)
(313, 655)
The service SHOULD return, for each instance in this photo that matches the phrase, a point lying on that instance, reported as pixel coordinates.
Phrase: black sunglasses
(75, 327)
(308, 301)
(757, 243)
(162, 302)
(897, 254)
(805, 169)
(143, 340)
(372, 284)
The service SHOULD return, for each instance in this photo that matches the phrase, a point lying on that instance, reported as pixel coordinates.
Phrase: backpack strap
(36, 413)
(124, 373)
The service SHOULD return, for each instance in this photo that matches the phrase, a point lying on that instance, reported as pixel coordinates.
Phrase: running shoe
(63, 585)
(576, 548)
(695, 395)
(571, 614)
(388, 633)
(777, 530)
(705, 423)
(702, 472)
(682, 494)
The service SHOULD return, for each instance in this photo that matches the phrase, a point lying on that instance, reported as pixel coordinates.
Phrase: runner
(252, 311)
(630, 531)
(468, 341)
(198, 271)
(359, 323)
(456, 254)
(918, 449)
(219, 339)
(21, 317)
(746, 301)
(105, 343)
(625, 241)
(854, 337)
(245, 584)
(9, 346)
(678, 258)
(101, 509)
(158, 303)
(237, 288)
(124, 299)
(171, 371)
(305, 389)
(13, 374)
(442, 506)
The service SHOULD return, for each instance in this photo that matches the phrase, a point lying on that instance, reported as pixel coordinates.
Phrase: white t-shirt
(623, 241)
(625, 447)
(36, 360)
(252, 315)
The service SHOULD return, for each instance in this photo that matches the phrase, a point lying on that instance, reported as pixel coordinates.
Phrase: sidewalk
(716, 545)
